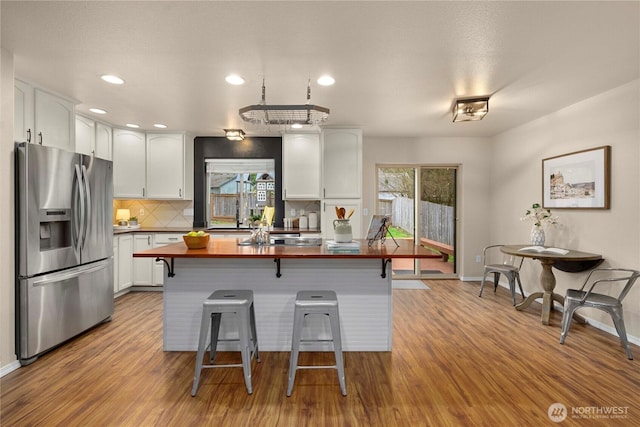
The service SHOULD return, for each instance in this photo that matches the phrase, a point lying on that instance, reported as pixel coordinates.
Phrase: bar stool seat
(316, 302)
(240, 303)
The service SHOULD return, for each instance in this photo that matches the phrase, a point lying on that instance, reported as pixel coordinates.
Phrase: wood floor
(458, 360)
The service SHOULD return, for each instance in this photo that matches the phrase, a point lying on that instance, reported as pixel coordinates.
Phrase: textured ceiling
(398, 65)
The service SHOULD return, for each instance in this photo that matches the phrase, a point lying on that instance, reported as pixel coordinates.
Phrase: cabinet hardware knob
(40, 135)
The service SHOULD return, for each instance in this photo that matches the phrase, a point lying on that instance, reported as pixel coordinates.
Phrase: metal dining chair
(606, 279)
(496, 262)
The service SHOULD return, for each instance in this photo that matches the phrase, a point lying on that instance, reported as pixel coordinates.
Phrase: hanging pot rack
(303, 114)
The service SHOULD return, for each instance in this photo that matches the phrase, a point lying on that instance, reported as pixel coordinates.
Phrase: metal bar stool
(239, 302)
(316, 302)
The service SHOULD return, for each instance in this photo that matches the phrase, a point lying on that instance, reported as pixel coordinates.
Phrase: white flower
(539, 216)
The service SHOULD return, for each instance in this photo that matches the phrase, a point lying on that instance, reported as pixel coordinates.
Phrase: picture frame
(375, 227)
(578, 180)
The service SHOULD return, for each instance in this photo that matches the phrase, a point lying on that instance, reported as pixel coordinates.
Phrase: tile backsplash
(158, 213)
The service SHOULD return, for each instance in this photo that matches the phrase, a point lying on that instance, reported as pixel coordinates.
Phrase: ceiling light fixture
(305, 114)
(234, 79)
(109, 78)
(234, 134)
(160, 126)
(469, 109)
(132, 125)
(98, 110)
(326, 80)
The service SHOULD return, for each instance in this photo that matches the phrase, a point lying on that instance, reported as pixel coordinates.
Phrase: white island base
(364, 300)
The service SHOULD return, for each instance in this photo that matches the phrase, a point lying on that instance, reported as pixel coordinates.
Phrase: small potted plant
(133, 220)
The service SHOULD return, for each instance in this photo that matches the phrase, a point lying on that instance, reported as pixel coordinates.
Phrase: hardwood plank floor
(458, 360)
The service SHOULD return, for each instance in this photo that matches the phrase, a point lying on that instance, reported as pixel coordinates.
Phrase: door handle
(180, 192)
(40, 135)
(28, 135)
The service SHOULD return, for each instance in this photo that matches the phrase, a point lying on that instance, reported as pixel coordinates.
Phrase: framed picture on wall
(579, 180)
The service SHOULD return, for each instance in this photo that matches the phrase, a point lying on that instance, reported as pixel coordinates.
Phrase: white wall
(611, 118)
(472, 155)
(7, 276)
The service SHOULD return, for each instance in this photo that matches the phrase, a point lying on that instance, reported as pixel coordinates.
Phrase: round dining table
(572, 261)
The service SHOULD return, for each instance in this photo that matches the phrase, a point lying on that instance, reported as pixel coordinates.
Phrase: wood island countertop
(229, 248)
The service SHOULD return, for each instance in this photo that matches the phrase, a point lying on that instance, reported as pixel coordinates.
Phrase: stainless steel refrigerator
(64, 246)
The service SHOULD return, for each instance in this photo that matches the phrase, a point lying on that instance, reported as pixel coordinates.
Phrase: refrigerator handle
(69, 274)
(75, 211)
(87, 196)
(79, 190)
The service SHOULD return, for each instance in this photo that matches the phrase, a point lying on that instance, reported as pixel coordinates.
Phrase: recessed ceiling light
(132, 125)
(234, 79)
(98, 110)
(296, 126)
(160, 126)
(112, 79)
(326, 81)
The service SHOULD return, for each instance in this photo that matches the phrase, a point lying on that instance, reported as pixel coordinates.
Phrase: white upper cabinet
(342, 163)
(85, 135)
(23, 126)
(128, 164)
(54, 121)
(156, 166)
(43, 118)
(93, 138)
(301, 166)
(104, 141)
(169, 166)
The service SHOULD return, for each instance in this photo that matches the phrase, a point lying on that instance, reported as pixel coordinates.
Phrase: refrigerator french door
(64, 250)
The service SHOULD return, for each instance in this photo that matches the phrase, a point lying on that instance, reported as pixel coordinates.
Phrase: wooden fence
(436, 221)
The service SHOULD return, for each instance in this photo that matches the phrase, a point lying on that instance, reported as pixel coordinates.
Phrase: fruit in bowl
(196, 239)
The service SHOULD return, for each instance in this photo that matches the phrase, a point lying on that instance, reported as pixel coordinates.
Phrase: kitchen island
(276, 273)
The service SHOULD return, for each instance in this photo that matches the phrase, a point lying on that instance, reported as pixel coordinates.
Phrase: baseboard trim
(10, 367)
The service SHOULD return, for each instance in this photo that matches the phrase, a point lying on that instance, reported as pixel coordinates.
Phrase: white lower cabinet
(142, 267)
(162, 239)
(125, 261)
(115, 264)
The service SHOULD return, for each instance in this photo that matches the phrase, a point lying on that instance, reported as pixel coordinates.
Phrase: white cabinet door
(54, 121)
(142, 267)
(128, 164)
(85, 135)
(329, 215)
(159, 240)
(301, 166)
(116, 264)
(165, 166)
(342, 163)
(104, 141)
(125, 261)
(23, 125)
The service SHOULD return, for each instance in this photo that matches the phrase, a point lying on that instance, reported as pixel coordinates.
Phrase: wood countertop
(229, 248)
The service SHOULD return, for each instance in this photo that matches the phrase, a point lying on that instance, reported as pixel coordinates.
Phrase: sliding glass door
(420, 202)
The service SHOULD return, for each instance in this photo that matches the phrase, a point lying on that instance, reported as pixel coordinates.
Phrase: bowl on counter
(196, 242)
